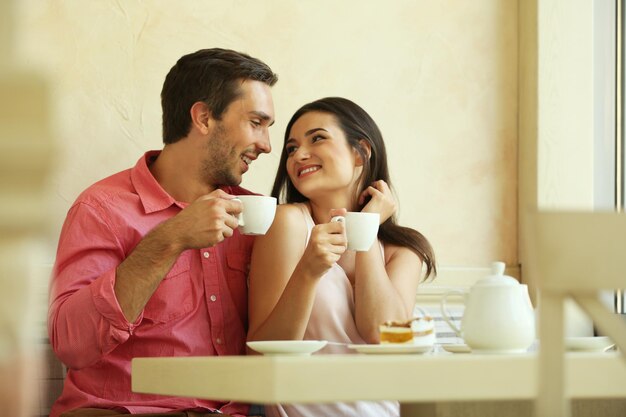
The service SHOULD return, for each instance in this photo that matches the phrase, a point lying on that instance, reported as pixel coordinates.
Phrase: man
(149, 261)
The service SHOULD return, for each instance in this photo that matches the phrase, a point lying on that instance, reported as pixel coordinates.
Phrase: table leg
(418, 410)
(513, 408)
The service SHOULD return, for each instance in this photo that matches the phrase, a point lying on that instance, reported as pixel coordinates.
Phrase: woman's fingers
(375, 189)
(330, 236)
(381, 200)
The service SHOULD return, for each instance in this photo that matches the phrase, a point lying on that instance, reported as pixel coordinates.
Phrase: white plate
(588, 344)
(287, 347)
(391, 348)
(457, 348)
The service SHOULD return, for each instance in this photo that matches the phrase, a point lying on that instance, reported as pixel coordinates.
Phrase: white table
(417, 381)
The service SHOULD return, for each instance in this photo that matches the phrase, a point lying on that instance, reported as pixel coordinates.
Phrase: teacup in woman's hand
(361, 229)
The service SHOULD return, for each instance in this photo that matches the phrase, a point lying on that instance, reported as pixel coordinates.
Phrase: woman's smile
(308, 170)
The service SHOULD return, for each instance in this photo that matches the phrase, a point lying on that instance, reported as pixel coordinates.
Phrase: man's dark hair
(212, 76)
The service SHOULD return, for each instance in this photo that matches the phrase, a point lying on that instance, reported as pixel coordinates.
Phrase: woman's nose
(301, 154)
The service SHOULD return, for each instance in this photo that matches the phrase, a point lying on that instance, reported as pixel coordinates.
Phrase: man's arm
(96, 288)
(138, 277)
(206, 222)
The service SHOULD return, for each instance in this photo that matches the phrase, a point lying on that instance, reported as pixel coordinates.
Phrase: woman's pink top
(332, 319)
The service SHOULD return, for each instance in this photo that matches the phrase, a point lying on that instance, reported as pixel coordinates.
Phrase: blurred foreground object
(25, 161)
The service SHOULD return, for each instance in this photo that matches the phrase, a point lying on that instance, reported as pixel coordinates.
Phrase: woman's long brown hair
(357, 125)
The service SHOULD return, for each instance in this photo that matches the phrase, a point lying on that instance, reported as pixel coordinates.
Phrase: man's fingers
(231, 221)
(218, 193)
(233, 206)
(227, 232)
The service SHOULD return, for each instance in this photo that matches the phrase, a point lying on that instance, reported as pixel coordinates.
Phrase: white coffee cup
(361, 229)
(257, 214)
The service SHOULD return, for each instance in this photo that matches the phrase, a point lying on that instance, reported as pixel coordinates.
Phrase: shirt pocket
(173, 297)
(237, 268)
(238, 264)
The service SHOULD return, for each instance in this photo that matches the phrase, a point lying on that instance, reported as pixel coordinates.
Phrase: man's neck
(177, 171)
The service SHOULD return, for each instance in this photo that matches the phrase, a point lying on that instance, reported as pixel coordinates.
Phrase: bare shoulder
(288, 227)
(395, 253)
(289, 217)
(289, 213)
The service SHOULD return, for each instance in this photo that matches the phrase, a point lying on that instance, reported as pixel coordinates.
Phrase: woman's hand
(326, 245)
(381, 201)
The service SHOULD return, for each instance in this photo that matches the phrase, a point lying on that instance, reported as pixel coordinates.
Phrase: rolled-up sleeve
(85, 321)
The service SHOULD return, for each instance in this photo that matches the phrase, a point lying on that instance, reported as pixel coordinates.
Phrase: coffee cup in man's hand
(257, 214)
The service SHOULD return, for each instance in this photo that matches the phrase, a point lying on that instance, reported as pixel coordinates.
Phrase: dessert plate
(457, 348)
(588, 344)
(391, 348)
(287, 347)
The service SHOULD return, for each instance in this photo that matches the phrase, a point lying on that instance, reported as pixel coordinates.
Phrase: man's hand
(205, 222)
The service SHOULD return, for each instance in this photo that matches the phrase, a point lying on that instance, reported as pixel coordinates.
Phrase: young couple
(150, 261)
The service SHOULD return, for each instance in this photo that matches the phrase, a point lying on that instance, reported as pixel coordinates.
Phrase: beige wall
(440, 78)
(556, 106)
(556, 141)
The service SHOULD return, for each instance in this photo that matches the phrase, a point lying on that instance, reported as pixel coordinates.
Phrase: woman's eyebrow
(311, 131)
(307, 133)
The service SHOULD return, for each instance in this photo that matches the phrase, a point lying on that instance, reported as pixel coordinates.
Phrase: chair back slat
(577, 251)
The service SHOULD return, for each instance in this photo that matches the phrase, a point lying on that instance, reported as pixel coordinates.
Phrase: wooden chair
(572, 254)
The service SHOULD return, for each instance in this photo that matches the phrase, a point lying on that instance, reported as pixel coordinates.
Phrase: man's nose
(264, 145)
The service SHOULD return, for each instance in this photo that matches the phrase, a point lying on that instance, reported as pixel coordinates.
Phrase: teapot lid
(497, 276)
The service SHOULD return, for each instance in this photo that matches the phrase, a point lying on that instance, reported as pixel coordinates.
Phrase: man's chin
(233, 181)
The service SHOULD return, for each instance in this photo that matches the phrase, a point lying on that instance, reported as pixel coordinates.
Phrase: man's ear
(367, 148)
(201, 117)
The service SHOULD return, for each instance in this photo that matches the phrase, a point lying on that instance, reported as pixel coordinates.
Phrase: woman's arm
(384, 289)
(284, 274)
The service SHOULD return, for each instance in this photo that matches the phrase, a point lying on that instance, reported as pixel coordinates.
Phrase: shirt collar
(153, 197)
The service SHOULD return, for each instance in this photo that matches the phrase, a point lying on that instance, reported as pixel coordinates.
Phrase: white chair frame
(575, 255)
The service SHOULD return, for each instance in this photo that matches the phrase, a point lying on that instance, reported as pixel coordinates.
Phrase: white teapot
(498, 315)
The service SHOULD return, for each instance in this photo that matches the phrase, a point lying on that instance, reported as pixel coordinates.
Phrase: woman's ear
(367, 149)
(201, 117)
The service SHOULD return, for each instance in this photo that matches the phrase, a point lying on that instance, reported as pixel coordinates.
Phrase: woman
(303, 282)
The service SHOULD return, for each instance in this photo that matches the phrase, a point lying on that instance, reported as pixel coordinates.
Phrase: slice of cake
(418, 330)
(396, 332)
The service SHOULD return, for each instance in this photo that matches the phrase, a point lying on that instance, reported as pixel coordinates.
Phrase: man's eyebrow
(263, 116)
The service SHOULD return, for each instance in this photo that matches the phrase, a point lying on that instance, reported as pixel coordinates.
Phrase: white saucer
(391, 348)
(287, 347)
(588, 344)
(500, 351)
(457, 348)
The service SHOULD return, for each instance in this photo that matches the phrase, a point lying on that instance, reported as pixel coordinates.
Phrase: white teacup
(257, 215)
(361, 229)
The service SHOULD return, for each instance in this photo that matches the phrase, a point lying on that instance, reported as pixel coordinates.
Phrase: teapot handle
(444, 313)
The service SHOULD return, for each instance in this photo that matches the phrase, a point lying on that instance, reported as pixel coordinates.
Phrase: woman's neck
(320, 208)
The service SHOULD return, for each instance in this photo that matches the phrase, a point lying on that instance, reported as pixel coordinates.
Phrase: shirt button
(213, 298)
(206, 254)
(218, 341)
